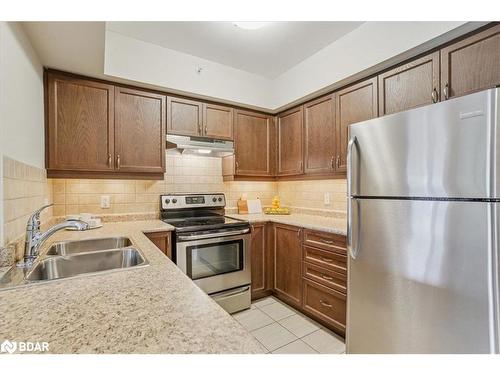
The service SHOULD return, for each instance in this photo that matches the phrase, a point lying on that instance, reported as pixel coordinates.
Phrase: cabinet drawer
(326, 259)
(326, 241)
(329, 278)
(326, 304)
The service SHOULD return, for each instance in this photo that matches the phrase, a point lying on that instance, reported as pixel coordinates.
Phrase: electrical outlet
(326, 198)
(105, 201)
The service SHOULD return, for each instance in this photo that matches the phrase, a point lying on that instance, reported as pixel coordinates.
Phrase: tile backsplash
(309, 195)
(184, 174)
(26, 188)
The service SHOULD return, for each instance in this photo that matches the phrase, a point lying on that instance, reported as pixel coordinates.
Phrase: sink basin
(58, 267)
(84, 246)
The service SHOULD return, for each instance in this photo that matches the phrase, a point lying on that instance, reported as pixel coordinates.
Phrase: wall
(184, 174)
(21, 102)
(133, 59)
(306, 197)
(364, 47)
(26, 188)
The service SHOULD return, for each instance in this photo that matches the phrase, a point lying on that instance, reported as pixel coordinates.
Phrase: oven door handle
(213, 235)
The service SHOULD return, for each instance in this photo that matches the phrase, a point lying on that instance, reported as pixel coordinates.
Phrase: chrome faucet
(35, 238)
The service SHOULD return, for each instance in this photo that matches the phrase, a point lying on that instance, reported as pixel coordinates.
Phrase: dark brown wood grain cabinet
(353, 104)
(290, 142)
(139, 131)
(254, 144)
(261, 260)
(408, 86)
(319, 135)
(162, 241)
(217, 121)
(80, 124)
(471, 64)
(288, 264)
(184, 117)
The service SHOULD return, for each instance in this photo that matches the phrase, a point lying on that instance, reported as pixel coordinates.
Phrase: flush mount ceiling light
(250, 25)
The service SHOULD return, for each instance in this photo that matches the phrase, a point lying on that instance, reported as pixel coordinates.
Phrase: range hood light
(202, 151)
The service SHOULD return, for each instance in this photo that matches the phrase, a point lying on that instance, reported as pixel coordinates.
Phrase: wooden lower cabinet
(325, 304)
(261, 260)
(162, 241)
(288, 264)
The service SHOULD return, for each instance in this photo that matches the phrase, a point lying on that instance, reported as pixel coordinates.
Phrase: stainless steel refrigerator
(423, 229)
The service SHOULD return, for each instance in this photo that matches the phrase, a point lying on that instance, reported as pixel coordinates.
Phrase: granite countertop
(321, 223)
(155, 309)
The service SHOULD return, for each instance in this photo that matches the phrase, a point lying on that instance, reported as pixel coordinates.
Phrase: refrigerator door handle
(350, 146)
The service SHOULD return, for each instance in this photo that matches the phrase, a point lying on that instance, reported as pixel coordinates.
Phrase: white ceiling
(269, 51)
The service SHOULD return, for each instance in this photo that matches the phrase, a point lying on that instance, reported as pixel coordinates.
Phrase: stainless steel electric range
(211, 248)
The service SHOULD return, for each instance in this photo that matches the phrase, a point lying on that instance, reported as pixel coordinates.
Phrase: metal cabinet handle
(237, 165)
(446, 92)
(434, 95)
(337, 162)
(326, 304)
(326, 277)
(328, 242)
(206, 130)
(109, 160)
(298, 232)
(118, 161)
(200, 128)
(328, 260)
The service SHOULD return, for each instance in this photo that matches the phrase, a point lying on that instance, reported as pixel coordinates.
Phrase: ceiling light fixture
(250, 25)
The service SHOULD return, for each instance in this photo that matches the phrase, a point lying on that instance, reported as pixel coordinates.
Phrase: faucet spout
(35, 238)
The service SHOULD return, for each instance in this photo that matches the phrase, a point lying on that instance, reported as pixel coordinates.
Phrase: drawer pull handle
(329, 242)
(326, 304)
(328, 260)
(327, 277)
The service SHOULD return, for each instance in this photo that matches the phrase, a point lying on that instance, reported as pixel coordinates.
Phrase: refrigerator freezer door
(422, 279)
(440, 150)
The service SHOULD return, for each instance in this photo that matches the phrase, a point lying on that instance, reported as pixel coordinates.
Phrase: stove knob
(214, 199)
(220, 199)
(174, 200)
(167, 201)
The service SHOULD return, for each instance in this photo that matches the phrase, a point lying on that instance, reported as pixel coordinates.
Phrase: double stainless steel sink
(73, 258)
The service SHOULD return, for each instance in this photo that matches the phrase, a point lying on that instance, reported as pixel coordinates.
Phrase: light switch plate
(326, 198)
(105, 201)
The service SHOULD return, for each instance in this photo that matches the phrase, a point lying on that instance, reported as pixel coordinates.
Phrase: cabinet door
(139, 131)
(253, 144)
(217, 121)
(258, 260)
(319, 129)
(184, 117)
(290, 140)
(471, 64)
(409, 86)
(354, 104)
(288, 264)
(161, 241)
(80, 124)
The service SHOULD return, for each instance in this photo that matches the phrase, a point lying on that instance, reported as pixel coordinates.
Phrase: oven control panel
(177, 201)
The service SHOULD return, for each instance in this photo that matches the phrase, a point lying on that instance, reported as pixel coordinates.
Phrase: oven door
(216, 264)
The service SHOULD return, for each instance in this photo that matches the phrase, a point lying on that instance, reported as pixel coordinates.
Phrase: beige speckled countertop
(155, 309)
(321, 223)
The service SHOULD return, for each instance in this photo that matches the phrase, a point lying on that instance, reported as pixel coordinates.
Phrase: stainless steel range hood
(199, 146)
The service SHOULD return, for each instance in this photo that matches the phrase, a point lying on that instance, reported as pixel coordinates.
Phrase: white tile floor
(283, 330)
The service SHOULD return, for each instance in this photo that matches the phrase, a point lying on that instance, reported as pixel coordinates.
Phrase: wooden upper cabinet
(290, 142)
(410, 85)
(288, 264)
(319, 129)
(217, 121)
(80, 124)
(139, 131)
(353, 104)
(254, 144)
(472, 64)
(184, 117)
